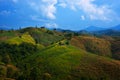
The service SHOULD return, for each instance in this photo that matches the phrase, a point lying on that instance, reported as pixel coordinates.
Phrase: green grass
(7, 33)
(19, 39)
(59, 60)
(63, 62)
(43, 37)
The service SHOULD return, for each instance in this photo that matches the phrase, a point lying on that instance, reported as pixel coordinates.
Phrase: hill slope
(42, 54)
(20, 39)
(43, 35)
(69, 63)
(92, 44)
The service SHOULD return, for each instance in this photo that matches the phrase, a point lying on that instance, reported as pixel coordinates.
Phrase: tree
(35, 74)
(43, 27)
(67, 42)
(6, 59)
(69, 36)
(47, 76)
(50, 32)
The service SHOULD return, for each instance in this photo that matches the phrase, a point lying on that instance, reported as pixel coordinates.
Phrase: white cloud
(49, 8)
(51, 25)
(46, 7)
(63, 5)
(83, 17)
(91, 10)
(15, 1)
(37, 18)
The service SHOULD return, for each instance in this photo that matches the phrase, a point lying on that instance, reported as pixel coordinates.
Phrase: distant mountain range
(116, 27)
(108, 32)
(112, 31)
(98, 31)
(88, 29)
(94, 28)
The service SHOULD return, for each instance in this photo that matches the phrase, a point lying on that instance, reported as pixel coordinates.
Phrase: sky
(65, 14)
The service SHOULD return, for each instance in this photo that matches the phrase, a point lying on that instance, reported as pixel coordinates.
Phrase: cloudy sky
(66, 14)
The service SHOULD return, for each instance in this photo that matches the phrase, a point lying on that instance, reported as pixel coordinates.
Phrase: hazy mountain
(116, 27)
(94, 28)
(109, 32)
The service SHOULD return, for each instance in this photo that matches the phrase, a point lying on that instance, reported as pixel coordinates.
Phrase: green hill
(43, 35)
(5, 35)
(67, 62)
(31, 35)
(20, 39)
(43, 54)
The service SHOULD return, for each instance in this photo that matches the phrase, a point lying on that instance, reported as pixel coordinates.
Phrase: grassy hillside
(92, 44)
(31, 35)
(42, 54)
(5, 35)
(21, 38)
(43, 35)
(69, 63)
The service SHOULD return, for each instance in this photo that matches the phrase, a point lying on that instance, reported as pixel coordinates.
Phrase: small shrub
(47, 76)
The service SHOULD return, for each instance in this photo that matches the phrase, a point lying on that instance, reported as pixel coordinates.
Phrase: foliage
(20, 39)
(59, 62)
(16, 52)
(42, 54)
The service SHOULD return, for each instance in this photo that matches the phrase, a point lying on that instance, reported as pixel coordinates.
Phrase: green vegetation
(43, 36)
(64, 62)
(42, 54)
(20, 39)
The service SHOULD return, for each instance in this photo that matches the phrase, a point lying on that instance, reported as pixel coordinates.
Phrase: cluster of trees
(16, 52)
(12, 54)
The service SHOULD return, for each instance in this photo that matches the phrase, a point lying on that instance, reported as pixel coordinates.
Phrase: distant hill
(65, 31)
(93, 28)
(109, 32)
(117, 28)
